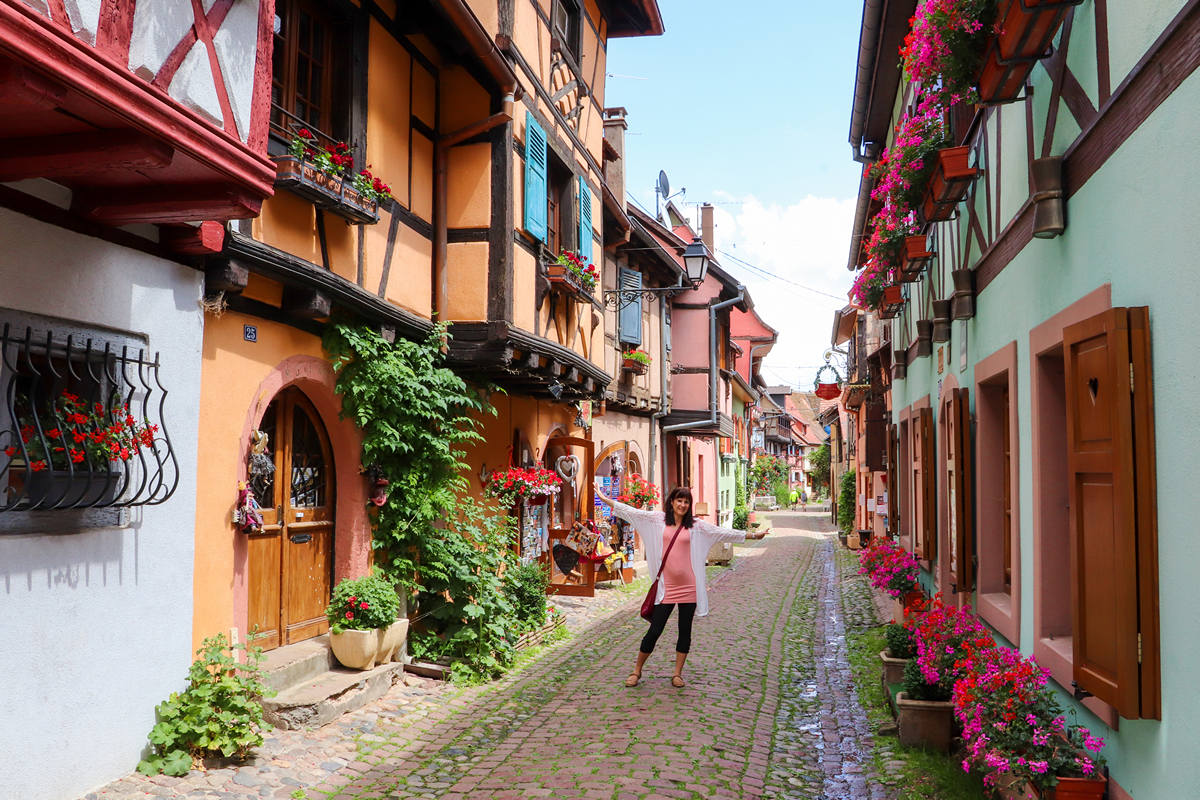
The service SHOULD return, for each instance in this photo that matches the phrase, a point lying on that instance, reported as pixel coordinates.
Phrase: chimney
(614, 152)
(706, 226)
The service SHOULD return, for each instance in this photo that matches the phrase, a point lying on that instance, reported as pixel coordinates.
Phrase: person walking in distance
(686, 542)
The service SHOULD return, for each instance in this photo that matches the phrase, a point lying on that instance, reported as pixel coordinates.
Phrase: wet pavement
(769, 709)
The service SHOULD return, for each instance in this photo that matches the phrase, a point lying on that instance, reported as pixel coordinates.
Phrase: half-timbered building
(1041, 349)
(132, 131)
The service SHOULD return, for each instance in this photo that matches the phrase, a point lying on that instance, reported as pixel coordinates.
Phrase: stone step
(294, 664)
(327, 695)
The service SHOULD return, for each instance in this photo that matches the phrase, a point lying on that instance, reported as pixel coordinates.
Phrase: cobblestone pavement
(761, 716)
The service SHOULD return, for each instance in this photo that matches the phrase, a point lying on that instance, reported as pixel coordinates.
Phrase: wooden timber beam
(76, 154)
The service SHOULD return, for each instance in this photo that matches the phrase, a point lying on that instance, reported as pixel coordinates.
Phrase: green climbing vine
(417, 417)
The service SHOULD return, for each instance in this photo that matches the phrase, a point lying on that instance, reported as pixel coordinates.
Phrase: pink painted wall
(689, 345)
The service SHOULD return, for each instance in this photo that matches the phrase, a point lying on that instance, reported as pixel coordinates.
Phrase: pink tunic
(678, 579)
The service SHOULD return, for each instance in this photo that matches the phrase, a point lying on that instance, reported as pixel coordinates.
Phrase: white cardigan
(651, 524)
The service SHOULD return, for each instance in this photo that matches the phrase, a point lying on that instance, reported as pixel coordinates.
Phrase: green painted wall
(1131, 225)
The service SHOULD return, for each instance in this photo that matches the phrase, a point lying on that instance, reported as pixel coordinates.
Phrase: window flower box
(635, 362)
(334, 193)
(952, 176)
(915, 258)
(566, 282)
(1026, 31)
(892, 302)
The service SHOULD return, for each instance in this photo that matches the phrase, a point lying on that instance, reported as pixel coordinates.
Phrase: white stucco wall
(97, 624)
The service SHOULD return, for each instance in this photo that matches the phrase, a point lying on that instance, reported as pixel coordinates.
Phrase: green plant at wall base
(900, 641)
(783, 495)
(525, 587)
(766, 472)
(219, 712)
(416, 417)
(820, 469)
(361, 604)
(846, 498)
(741, 515)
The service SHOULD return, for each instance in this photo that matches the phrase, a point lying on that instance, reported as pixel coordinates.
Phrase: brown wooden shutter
(963, 510)
(893, 480)
(925, 487)
(1110, 464)
(875, 437)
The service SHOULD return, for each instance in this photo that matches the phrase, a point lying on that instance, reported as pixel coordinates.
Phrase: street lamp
(695, 265)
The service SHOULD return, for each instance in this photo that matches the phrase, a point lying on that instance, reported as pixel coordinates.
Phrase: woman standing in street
(686, 542)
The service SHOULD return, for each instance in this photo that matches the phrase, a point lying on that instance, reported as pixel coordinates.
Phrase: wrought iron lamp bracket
(619, 298)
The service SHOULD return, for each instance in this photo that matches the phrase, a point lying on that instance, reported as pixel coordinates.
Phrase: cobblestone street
(769, 709)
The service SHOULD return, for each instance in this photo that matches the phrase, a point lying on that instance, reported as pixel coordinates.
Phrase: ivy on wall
(417, 418)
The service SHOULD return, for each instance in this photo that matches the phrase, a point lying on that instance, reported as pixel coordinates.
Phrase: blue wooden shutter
(585, 221)
(535, 178)
(629, 320)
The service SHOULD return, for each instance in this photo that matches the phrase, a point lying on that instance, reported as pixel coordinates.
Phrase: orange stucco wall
(238, 381)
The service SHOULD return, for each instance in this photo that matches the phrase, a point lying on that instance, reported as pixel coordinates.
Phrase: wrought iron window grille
(81, 422)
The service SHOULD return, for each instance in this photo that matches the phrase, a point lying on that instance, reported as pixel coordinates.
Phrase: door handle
(300, 538)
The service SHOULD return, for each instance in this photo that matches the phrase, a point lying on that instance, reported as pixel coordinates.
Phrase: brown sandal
(677, 681)
(633, 679)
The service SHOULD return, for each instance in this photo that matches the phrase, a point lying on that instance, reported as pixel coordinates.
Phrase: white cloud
(805, 245)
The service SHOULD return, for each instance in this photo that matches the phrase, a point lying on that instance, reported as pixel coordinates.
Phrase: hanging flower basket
(915, 258)
(519, 483)
(1026, 31)
(952, 176)
(828, 390)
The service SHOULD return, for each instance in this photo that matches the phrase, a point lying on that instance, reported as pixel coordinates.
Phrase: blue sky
(751, 111)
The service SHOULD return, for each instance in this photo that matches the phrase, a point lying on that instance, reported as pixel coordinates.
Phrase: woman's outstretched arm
(717, 533)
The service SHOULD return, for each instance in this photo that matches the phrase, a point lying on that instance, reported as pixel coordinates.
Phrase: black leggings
(659, 621)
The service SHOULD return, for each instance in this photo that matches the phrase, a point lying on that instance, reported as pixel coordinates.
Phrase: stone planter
(852, 541)
(925, 723)
(391, 641)
(355, 649)
(941, 320)
(893, 668)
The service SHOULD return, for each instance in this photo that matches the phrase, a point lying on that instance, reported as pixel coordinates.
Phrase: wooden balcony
(147, 114)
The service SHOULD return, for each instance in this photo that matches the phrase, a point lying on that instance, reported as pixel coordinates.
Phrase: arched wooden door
(291, 560)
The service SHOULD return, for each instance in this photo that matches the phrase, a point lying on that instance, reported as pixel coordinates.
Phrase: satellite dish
(664, 186)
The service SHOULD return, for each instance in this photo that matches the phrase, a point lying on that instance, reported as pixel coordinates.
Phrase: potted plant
(1023, 33)
(1015, 734)
(900, 649)
(916, 256)
(639, 492)
(949, 640)
(944, 47)
(322, 173)
(635, 361)
(363, 625)
(952, 176)
(570, 272)
(892, 301)
(514, 484)
(73, 449)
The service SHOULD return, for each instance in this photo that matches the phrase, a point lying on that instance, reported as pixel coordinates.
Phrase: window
(80, 424)
(310, 70)
(558, 205)
(1094, 506)
(565, 24)
(998, 546)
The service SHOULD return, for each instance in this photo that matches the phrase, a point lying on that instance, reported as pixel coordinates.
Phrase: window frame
(335, 120)
(998, 438)
(569, 12)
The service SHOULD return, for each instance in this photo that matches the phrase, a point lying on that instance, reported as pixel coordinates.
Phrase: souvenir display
(535, 532)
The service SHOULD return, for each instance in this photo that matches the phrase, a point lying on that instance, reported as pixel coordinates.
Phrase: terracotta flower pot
(952, 176)
(916, 256)
(893, 668)
(925, 723)
(634, 366)
(1027, 28)
(1078, 789)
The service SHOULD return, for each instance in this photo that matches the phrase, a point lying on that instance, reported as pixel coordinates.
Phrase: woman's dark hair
(679, 491)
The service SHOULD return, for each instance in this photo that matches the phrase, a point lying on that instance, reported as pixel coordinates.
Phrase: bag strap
(669, 546)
